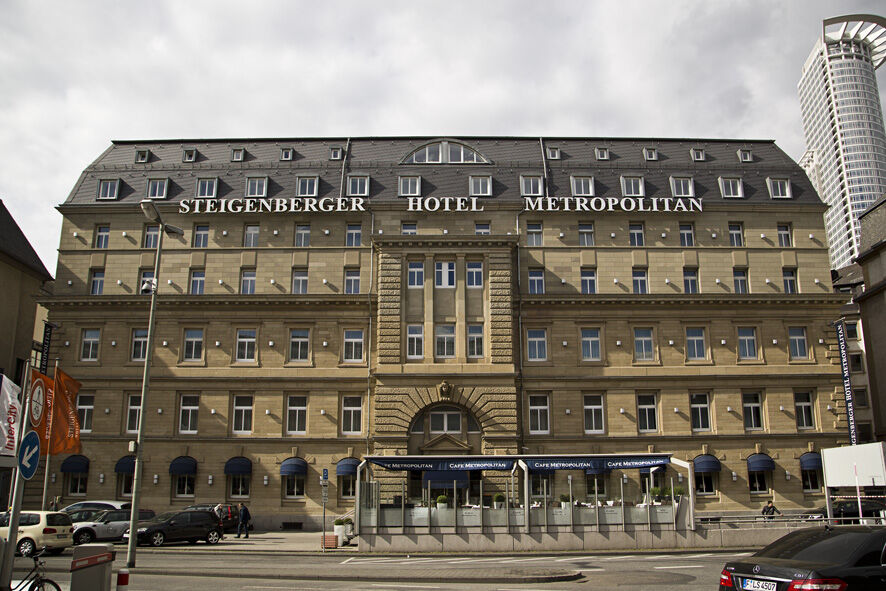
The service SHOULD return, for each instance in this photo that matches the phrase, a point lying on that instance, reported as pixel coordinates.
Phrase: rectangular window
(107, 188)
(246, 344)
(636, 235)
(537, 344)
(250, 236)
(593, 407)
(193, 344)
(242, 414)
(474, 274)
(415, 341)
(85, 409)
(588, 281)
(851, 329)
(856, 363)
(752, 409)
(302, 235)
(416, 274)
(690, 280)
(583, 186)
(475, 341)
(201, 236)
(784, 235)
(294, 484)
(76, 487)
(286, 154)
(410, 186)
(696, 348)
(299, 344)
(352, 281)
(408, 229)
(102, 235)
(353, 352)
(789, 277)
(352, 415)
(700, 412)
(152, 235)
(590, 344)
(146, 281)
(687, 235)
(803, 408)
(757, 482)
(256, 187)
(536, 281)
(632, 186)
(538, 415)
(335, 153)
(481, 228)
(682, 186)
(698, 155)
(647, 417)
(444, 339)
(861, 397)
(97, 282)
(811, 481)
(797, 337)
(704, 483)
(306, 186)
(736, 234)
(347, 486)
(206, 188)
(601, 153)
(139, 344)
(747, 343)
(779, 188)
(553, 153)
(187, 416)
(480, 186)
(650, 154)
(586, 234)
(299, 281)
(740, 280)
(240, 485)
(534, 236)
(531, 186)
(238, 154)
(89, 344)
(731, 188)
(643, 348)
(247, 281)
(184, 485)
(444, 274)
(745, 156)
(445, 421)
(198, 282)
(157, 188)
(358, 186)
(297, 415)
(353, 235)
(640, 281)
(133, 412)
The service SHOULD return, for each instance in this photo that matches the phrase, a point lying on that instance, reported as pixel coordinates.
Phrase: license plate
(755, 585)
(60, 536)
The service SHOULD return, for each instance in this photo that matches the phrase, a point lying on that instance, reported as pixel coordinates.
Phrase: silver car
(108, 525)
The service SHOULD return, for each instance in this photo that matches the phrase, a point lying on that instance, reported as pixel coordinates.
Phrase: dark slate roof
(15, 245)
(850, 275)
(381, 158)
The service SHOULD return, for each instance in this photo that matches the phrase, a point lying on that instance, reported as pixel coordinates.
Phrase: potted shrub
(442, 502)
(655, 491)
(564, 501)
(498, 500)
(338, 528)
(678, 492)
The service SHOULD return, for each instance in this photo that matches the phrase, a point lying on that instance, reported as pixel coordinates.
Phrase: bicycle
(36, 580)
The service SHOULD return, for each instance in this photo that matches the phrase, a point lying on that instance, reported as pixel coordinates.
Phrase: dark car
(179, 526)
(849, 510)
(851, 558)
(228, 513)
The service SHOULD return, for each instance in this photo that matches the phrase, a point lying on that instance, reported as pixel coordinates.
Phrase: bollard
(123, 579)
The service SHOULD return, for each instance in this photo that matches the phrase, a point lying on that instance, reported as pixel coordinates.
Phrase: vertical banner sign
(10, 416)
(44, 349)
(847, 384)
(65, 437)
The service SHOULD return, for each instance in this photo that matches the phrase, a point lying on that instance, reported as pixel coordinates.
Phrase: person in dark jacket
(245, 518)
(770, 510)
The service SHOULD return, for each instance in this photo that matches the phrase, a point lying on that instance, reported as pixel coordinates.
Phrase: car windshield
(99, 516)
(822, 546)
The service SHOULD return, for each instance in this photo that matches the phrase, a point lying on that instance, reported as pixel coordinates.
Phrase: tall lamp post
(150, 211)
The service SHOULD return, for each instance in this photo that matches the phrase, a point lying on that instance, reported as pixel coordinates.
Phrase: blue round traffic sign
(29, 455)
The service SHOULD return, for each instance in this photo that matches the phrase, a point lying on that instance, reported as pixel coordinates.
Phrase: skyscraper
(843, 123)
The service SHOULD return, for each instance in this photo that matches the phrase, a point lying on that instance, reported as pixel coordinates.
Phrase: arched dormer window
(445, 152)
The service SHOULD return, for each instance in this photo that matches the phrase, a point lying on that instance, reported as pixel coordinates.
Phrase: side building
(334, 298)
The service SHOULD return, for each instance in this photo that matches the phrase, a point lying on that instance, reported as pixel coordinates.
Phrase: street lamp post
(150, 211)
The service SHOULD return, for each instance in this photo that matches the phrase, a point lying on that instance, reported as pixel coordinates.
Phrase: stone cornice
(445, 241)
(824, 299)
(238, 300)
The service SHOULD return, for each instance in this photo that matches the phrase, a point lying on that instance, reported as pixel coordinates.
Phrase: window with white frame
(139, 344)
(636, 235)
(784, 235)
(539, 419)
(779, 188)
(306, 186)
(250, 235)
(347, 486)
(102, 236)
(444, 341)
(242, 414)
(586, 234)
(445, 419)
(415, 341)
(740, 280)
(640, 281)
(77, 483)
(593, 408)
(474, 274)
(240, 485)
(601, 153)
(797, 338)
(682, 186)
(85, 410)
(89, 344)
(294, 486)
(256, 186)
(108, 188)
(198, 282)
(238, 154)
(747, 343)
(353, 235)
(302, 235)
(697, 154)
(286, 154)
(632, 186)
(201, 236)
(133, 412)
(206, 188)
(142, 155)
(811, 481)
(789, 278)
(745, 156)
(358, 186)
(650, 154)
(187, 414)
(431, 154)
(643, 345)
(553, 153)
(408, 228)
(299, 344)
(705, 483)
(247, 281)
(731, 187)
(736, 234)
(690, 280)
(444, 274)
(757, 482)
(531, 185)
(595, 485)
(752, 409)
(146, 283)
(696, 348)
(246, 344)
(296, 415)
(353, 346)
(335, 153)
(351, 415)
(536, 281)
(157, 188)
(152, 235)
(300, 280)
(687, 234)
(481, 228)
(410, 186)
(647, 416)
(700, 412)
(583, 186)
(803, 408)
(534, 235)
(193, 349)
(480, 186)
(590, 344)
(540, 484)
(588, 281)
(537, 344)
(352, 281)
(96, 281)
(183, 485)
(475, 341)
(415, 274)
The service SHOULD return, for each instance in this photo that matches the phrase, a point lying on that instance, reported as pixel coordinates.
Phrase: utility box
(91, 567)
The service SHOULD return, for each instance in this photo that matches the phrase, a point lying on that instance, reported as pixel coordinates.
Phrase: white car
(107, 525)
(40, 529)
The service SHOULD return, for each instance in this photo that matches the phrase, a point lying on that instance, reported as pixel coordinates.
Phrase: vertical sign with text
(847, 383)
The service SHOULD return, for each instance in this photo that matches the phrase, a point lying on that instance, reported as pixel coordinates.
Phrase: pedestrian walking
(770, 510)
(245, 518)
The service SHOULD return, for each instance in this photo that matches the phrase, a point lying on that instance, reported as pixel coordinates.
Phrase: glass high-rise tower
(843, 123)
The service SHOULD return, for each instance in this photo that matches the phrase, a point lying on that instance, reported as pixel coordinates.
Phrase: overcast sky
(75, 75)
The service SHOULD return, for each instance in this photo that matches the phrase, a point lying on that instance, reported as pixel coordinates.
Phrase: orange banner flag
(40, 415)
(65, 436)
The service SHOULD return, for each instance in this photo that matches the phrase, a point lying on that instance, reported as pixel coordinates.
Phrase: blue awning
(598, 470)
(706, 463)
(238, 465)
(125, 465)
(810, 461)
(183, 465)
(445, 478)
(760, 463)
(293, 467)
(648, 470)
(75, 465)
(347, 467)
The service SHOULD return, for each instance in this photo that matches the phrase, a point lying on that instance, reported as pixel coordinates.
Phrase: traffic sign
(29, 455)
(325, 473)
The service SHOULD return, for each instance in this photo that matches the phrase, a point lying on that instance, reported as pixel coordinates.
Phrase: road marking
(404, 586)
(617, 558)
(348, 560)
(697, 555)
(574, 558)
(658, 557)
(526, 559)
(680, 566)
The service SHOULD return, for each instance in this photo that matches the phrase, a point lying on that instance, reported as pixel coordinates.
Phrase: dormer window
(257, 186)
(286, 154)
(445, 152)
(582, 186)
(142, 156)
(335, 153)
(779, 188)
(682, 186)
(531, 185)
(410, 186)
(189, 154)
(157, 188)
(358, 186)
(238, 154)
(108, 188)
(306, 186)
(697, 154)
(731, 187)
(553, 153)
(650, 154)
(601, 153)
(206, 187)
(745, 156)
(632, 186)
(480, 186)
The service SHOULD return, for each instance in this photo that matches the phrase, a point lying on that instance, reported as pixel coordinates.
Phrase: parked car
(835, 558)
(40, 529)
(227, 512)
(179, 526)
(848, 509)
(100, 505)
(107, 525)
